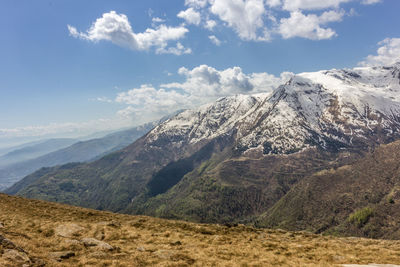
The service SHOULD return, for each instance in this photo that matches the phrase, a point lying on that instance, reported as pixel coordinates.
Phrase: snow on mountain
(330, 109)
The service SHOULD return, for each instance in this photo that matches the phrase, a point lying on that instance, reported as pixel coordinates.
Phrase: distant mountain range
(33, 150)
(310, 155)
(71, 151)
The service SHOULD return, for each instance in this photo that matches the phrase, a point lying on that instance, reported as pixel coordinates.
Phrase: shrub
(361, 217)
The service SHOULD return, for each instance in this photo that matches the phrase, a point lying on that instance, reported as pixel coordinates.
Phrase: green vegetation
(169, 176)
(67, 186)
(361, 217)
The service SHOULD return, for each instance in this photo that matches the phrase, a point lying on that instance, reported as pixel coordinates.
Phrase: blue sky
(69, 68)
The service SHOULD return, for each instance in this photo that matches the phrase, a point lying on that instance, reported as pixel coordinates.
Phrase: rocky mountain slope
(235, 159)
(38, 233)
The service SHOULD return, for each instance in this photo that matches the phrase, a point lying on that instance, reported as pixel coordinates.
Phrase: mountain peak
(311, 109)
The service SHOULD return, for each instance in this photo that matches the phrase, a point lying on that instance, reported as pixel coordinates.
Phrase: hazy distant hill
(30, 151)
(78, 152)
(5, 149)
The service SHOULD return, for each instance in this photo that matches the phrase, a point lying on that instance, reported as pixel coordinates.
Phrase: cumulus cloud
(210, 24)
(262, 20)
(273, 3)
(309, 26)
(147, 103)
(214, 40)
(371, 2)
(117, 29)
(190, 16)
(293, 5)
(244, 16)
(196, 3)
(178, 50)
(388, 53)
(201, 85)
(147, 95)
(206, 81)
(103, 99)
(157, 20)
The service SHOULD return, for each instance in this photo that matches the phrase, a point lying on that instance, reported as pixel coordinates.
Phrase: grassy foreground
(49, 234)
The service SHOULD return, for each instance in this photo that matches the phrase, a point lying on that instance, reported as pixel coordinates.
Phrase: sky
(70, 68)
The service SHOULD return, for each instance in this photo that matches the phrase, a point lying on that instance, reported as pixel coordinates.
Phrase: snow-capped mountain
(330, 109)
(234, 159)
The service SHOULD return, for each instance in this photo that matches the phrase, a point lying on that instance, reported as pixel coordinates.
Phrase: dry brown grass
(146, 241)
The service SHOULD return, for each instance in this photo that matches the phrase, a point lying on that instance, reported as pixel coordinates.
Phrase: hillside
(38, 233)
(233, 160)
(361, 199)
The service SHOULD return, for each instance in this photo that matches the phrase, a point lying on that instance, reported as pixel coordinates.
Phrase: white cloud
(261, 20)
(214, 40)
(196, 3)
(178, 50)
(273, 3)
(159, 37)
(202, 84)
(103, 99)
(157, 20)
(309, 26)
(331, 16)
(147, 103)
(387, 54)
(150, 12)
(371, 2)
(190, 16)
(73, 31)
(210, 24)
(206, 81)
(293, 5)
(117, 29)
(244, 16)
(147, 96)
